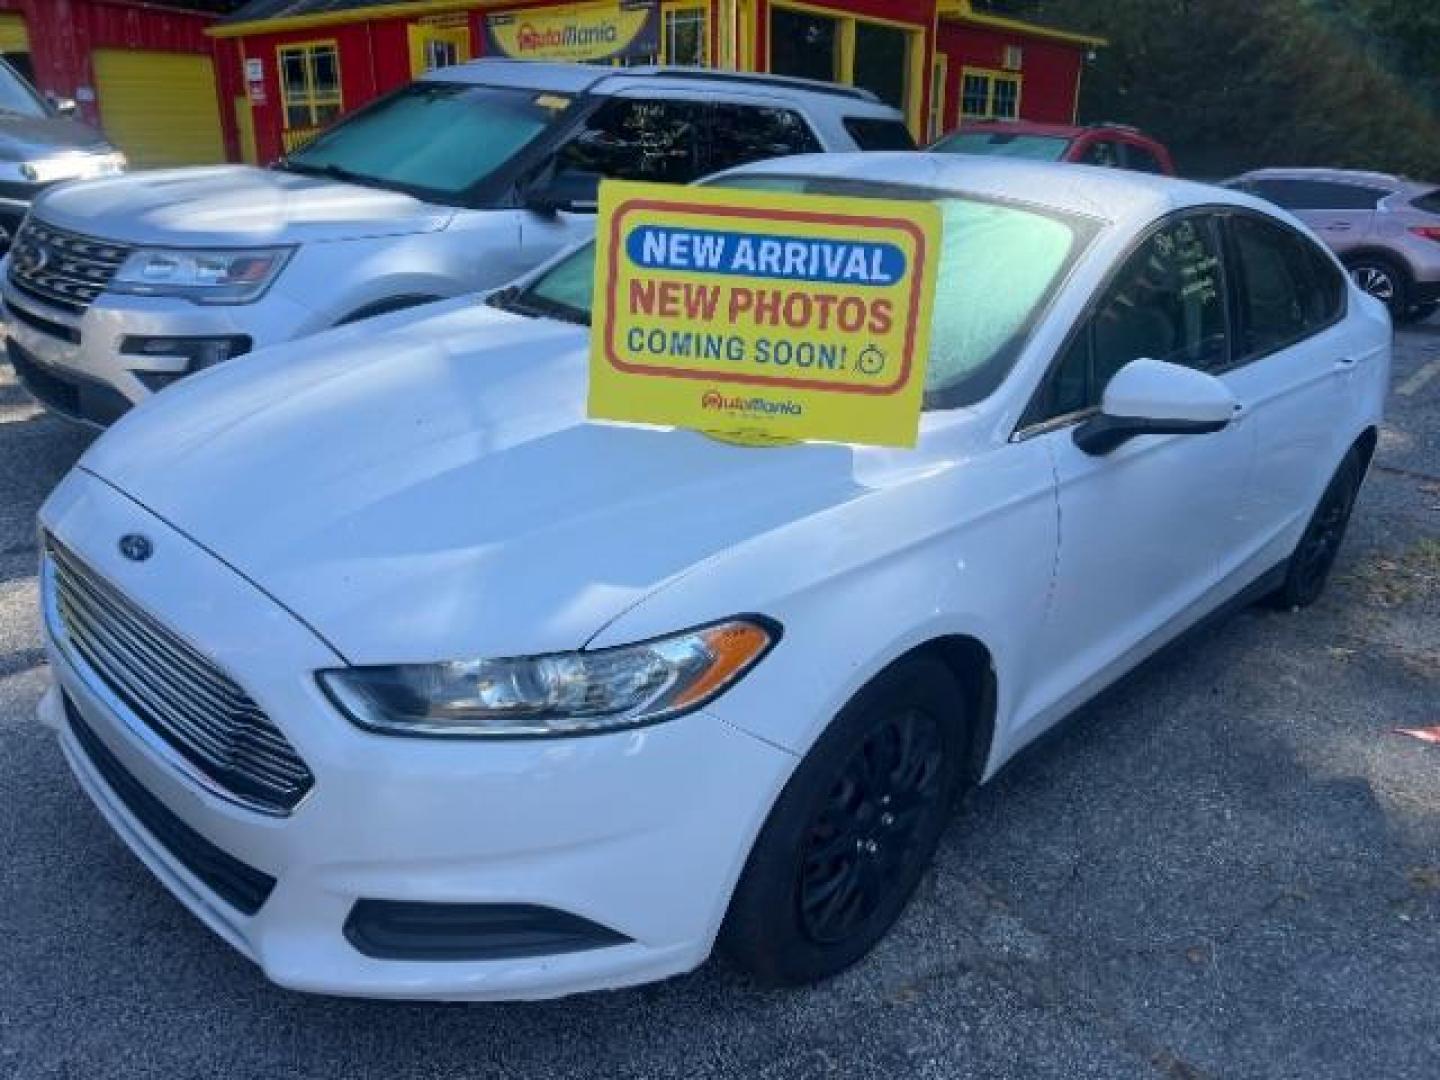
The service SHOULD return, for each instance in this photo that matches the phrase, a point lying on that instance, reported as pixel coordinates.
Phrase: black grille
(179, 694)
(62, 268)
(241, 886)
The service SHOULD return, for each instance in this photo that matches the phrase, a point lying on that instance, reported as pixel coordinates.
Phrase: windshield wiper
(334, 172)
(534, 306)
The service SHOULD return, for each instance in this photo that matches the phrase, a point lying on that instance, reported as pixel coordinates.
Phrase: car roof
(1036, 127)
(1115, 195)
(1353, 176)
(590, 78)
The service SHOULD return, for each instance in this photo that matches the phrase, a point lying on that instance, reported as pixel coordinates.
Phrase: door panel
(1295, 378)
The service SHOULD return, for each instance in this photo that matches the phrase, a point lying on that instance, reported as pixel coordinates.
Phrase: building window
(1014, 58)
(310, 84)
(876, 55)
(804, 45)
(989, 95)
(882, 62)
(686, 35)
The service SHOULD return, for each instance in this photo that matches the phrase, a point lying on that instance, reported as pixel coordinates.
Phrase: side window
(1141, 159)
(637, 140)
(870, 134)
(1102, 152)
(1286, 290)
(1318, 194)
(1166, 303)
(745, 133)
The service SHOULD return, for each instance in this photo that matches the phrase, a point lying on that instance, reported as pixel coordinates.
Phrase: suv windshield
(1004, 144)
(999, 266)
(16, 98)
(432, 139)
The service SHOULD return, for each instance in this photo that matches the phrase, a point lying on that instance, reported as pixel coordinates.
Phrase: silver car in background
(1386, 229)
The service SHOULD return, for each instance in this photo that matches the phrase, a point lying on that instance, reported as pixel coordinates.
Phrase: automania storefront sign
(585, 33)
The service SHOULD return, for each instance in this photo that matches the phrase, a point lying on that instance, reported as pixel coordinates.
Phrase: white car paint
(426, 488)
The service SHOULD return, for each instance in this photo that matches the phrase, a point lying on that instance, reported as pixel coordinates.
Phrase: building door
(245, 129)
(160, 108)
(15, 44)
(939, 83)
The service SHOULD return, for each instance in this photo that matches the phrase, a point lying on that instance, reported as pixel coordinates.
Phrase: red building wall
(64, 32)
(1051, 70)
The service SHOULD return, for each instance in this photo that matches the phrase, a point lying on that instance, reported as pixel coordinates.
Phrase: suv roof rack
(749, 78)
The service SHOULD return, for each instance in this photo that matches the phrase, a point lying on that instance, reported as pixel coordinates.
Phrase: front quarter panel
(962, 548)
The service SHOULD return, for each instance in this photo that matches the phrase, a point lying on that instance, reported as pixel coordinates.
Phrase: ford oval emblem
(135, 547)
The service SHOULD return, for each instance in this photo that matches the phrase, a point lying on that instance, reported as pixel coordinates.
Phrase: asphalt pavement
(1227, 866)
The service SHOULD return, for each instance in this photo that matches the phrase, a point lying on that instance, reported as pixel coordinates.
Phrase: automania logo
(569, 36)
(715, 401)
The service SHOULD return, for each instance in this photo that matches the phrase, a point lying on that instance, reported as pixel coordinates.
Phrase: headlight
(78, 165)
(563, 694)
(224, 276)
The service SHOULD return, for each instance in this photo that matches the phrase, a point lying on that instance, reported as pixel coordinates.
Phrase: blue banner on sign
(761, 255)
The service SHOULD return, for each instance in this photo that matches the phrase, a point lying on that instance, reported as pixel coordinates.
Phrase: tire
(1314, 557)
(1385, 280)
(854, 831)
(1421, 312)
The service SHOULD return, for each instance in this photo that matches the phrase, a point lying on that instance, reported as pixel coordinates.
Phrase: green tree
(1235, 84)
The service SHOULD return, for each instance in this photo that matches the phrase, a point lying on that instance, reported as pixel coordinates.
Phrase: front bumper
(642, 833)
(78, 366)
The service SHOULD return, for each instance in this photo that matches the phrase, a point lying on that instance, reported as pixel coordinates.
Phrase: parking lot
(1229, 865)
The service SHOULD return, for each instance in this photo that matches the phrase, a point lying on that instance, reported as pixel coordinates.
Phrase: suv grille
(181, 696)
(62, 268)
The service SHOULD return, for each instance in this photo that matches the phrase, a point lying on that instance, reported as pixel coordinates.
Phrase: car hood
(233, 205)
(418, 489)
(25, 138)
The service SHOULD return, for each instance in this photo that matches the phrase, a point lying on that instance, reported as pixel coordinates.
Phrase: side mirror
(1151, 397)
(64, 106)
(570, 190)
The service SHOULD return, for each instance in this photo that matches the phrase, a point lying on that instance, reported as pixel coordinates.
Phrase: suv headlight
(572, 693)
(218, 276)
(73, 165)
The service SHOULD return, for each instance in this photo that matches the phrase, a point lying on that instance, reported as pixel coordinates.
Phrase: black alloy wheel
(855, 829)
(864, 830)
(1314, 556)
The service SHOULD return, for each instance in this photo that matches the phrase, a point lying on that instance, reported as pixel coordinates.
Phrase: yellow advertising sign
(587, 32)
(762, 317)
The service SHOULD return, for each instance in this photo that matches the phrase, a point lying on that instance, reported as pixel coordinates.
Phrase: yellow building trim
(963, 11)
(313, 99)
(991, 76)
(395, 10)
(687, 7)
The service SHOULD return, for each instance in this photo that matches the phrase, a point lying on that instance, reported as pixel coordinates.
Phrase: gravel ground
(1228, 866)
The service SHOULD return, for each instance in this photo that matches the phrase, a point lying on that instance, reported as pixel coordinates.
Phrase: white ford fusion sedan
(410, 681)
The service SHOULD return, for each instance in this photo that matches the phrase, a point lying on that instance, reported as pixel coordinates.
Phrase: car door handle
(1339, 226)
(1346, 361)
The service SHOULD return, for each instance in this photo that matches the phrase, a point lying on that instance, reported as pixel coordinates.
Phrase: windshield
(16, 97)
(432, 139)
(1004, 144)
(999, 265)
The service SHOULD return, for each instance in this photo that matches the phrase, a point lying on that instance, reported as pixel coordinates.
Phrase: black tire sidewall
(762, 931)
(1295, 592)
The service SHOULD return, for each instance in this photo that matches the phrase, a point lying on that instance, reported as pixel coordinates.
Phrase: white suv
(457, 183)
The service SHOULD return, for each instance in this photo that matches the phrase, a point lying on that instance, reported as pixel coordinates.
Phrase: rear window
(1430, 202)
(1004, 144)
(871, 134)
